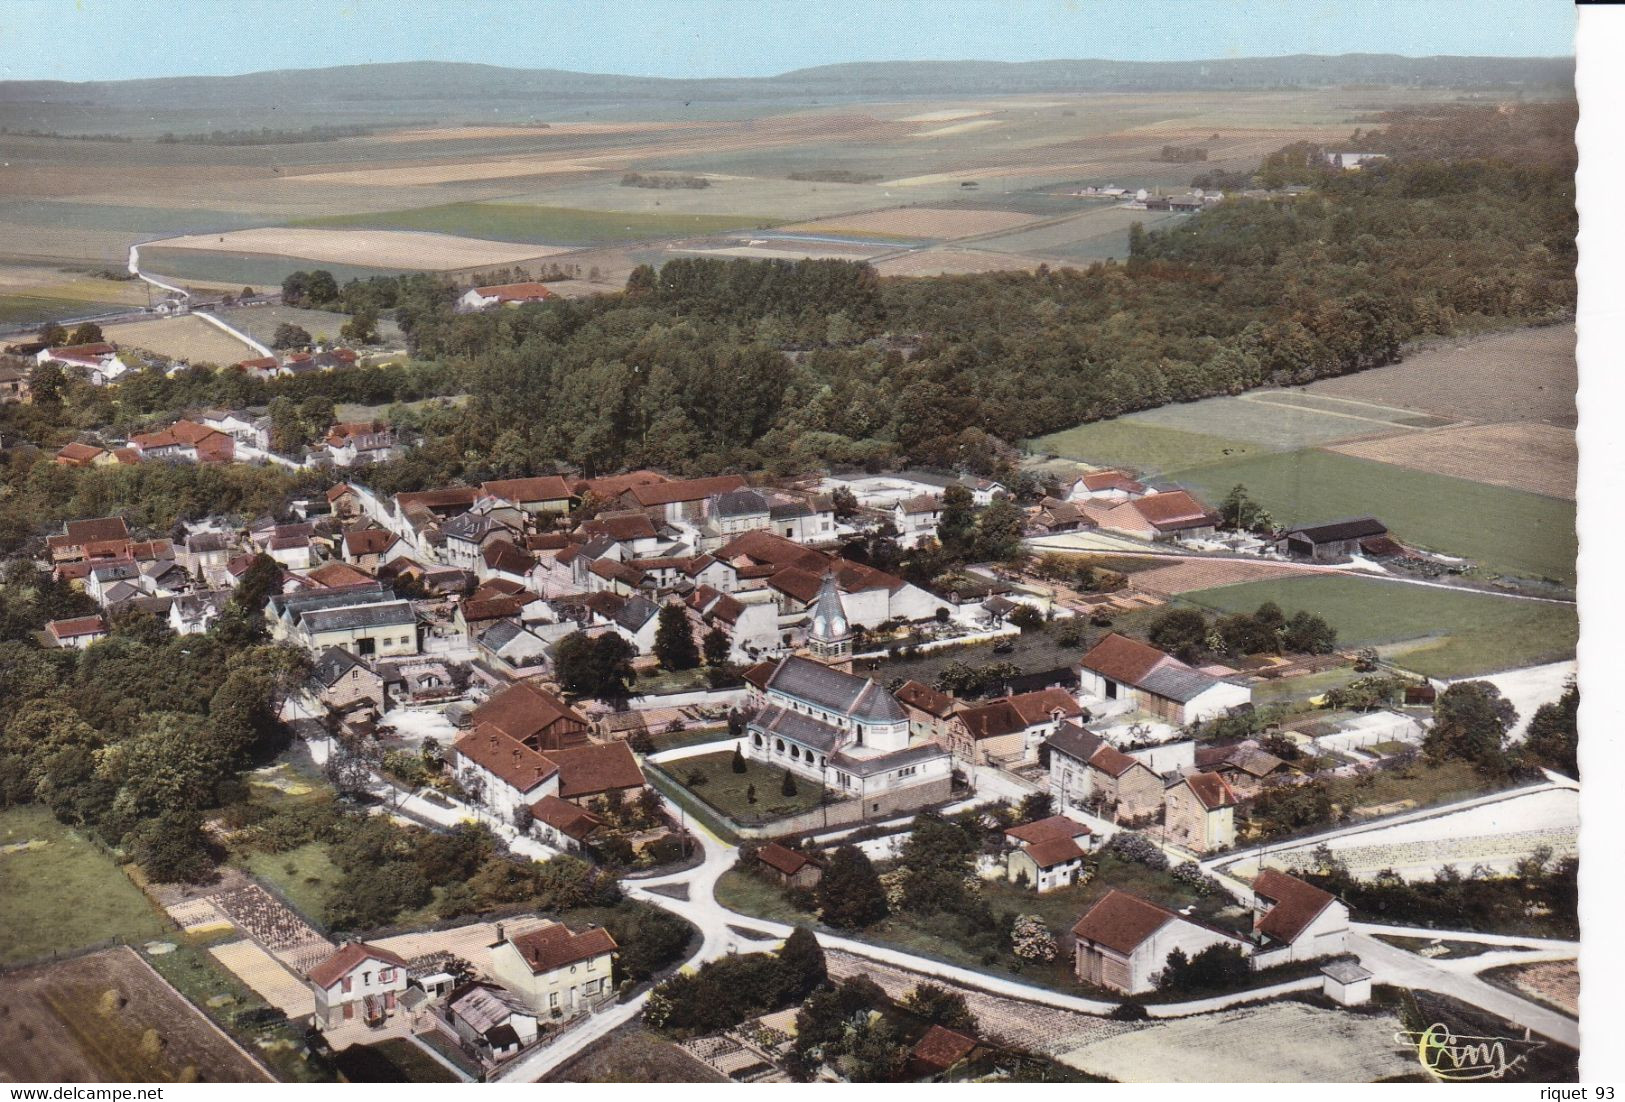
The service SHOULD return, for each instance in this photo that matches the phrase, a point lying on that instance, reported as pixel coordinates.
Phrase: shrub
(1130, 1011)
(1133, 846)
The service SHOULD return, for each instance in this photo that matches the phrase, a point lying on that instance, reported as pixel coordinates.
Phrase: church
(820, 721)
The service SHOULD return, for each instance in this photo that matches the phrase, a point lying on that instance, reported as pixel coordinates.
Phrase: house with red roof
(476, 299)
(1086, 771)
(78, 455)
(78, 632)
(359, 982)
(1009, 728)
(1123, 942)
(557, 971)
(1106, 485)
(1169, 515)
(1293, 920)
(99, 361)
(1049, 853)
(791, 868)
(1199, 812)
(1122, 669)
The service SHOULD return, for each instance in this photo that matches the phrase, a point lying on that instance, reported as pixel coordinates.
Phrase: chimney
(502, 935)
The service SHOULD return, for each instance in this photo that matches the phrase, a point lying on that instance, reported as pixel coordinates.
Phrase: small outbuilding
(1334, 540)
(1346, 983)
(791, 869)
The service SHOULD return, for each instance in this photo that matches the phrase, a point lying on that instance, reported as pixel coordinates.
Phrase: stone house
(1199, 813)
(557, 972)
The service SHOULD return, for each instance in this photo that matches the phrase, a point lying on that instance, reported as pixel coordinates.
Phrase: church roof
(848, 694)
(828, 622)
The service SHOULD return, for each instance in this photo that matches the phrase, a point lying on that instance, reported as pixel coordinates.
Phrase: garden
(745, 791)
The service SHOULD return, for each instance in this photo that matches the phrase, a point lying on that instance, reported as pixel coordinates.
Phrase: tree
(362, 328)
(802, 960)
(750, 794)
(788, 787)
(999, 531)
(86, 332)
(1216, 968)
(53, 335)
(321, 288)
(171, 848)
(287, 335)
(1470, 723)
(738, 762)
(957, 523)
(352, 763)
(1553, 739)
(1239, 510)
(259, 583)
(1307, 633)
(939, 1006)
(1035, 806)
(1030, 939)
(717, 646)
(844, 501)
(674, 639)
(849, 894)
(1181, 632)
(600, 667)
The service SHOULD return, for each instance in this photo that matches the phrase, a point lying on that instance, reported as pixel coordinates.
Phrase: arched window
(778, 746)
(795, 752)
(756, 739)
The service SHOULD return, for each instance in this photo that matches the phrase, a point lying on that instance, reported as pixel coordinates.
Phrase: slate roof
(636, 613)
(332, 664)
(741, 503)
(820, 736)
(1333, 531)
(392, 614)
(881, 763)
(858, 697)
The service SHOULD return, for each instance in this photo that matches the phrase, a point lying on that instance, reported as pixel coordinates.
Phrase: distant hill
(459, 91)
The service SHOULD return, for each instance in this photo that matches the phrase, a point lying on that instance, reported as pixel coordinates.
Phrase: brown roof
(783, 859)
(759, 674)
(517, 292)
(100, 348)
(689, 489)
(101, 528)
(503, 555)
(442, 498)
(565, 817)
(521, 490)
(589, 770)
(942, 1048)
(617, 484)
(1297, 904)
(1173, 510)
(257, 363)
(1038, 707)
(617, 572)
(765, 547)
(351, 955)
(78, 453)
(991, 720)
(1111, 480)
(925, 699)
(1122, 659)
(621, 527)
(1121, 921)
(522, 710)
(337, 491)
(1113, 762)
(801, 584)
(78, 625)
(1055, 851)
(553, 947)
(1211, 790)
(332, 574)
(507, 758)
(1048, 830)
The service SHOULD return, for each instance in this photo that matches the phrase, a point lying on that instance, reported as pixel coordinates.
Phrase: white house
(1120, 668)
(1294, 920)
(557, 972)
(359, 981)
(1123, 942)
(493, 1022)
(503, 294)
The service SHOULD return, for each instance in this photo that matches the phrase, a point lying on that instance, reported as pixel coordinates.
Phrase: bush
(1133, 846)
(1129, 1011)
(1216, 968)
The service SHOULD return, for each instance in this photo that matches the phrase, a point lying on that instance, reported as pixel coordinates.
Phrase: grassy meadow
(541, 224)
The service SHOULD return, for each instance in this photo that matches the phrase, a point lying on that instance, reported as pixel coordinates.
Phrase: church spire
(829, 635)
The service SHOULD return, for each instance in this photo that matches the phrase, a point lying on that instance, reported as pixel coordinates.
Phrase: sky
(124, 39)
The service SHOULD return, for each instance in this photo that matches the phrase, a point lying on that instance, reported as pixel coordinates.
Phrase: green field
(255, 269)
(1141, 447)
(728, 792)
(1506, 531)
(24, 309)
(260, 322)
(1437, 632)
(58, 892)
(541, 225)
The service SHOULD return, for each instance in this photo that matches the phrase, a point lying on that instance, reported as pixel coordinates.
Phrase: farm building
(1120, 668)
(1170, 515)
(1333, 540)
(1124, 941)
(791, 869)
(504, 294)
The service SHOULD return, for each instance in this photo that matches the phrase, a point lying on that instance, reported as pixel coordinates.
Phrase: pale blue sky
(118, 39)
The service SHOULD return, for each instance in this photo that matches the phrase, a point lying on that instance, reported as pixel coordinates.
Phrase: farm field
(1140, 446)
(1281, 420)
(237, 269)
(1505, 531)
(558, 227)
(108, 1018)
(1524, 375)
(183, 338)
(1092, 235)
(1437, 632)
(958, 261)
(917, 222)
(58, 892)
(1280, 1042)
(425, 251)
(1554, 983)
(1195, 574)
(1520, 455)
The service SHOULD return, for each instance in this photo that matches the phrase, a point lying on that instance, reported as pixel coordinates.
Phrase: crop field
(185, 338)
(260, 322)
(959, 261)
(539, 225)
(1522, 455)
(58, 892)
(1437, 632)
(1140, 446)
(238, 269)
(925, 222)
(1524, 375)
(1555, 983)
(1189, 575)
(1505, 531)
(1273, 420)
(423, 251)
(1092, 235)
(1281, 1042)
(108, 1018)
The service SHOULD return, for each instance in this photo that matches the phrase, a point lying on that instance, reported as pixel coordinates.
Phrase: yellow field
(959, 128)
(187, 338)
(1525, 455)
(374, 248)
(919, 222)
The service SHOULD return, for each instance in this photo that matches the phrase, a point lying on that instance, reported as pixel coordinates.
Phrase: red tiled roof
(338, 491)
(1174, 509)
(1038, 707)
(553, 947)
(522, 710)
(524, 490)
(612, 486)
(350, 957)
(258, 363)
(1112, 480)
(78, 454)
(924, 698)
(511, 760)
(443, 498)
(503, 555)
(1297, 904)
(368, 541)
(100, 528)
(565, 817)
(1113, 762)
(991, 720)
(517, 292)
(1121, 921)
(333, 574)
(589, 770)
(1211, 790)
(692, 489)
(942, 1048)
(1122, 659)
(77, 626)
(1047, 830)
(782, 858)
(1055, 851)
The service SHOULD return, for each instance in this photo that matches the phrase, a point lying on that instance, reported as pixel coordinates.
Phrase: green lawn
(1422, 785)
(694, 736)
(1287, 690)
(1143, 447)
(1505, 531)
(303, 874)
(63, 894)
(658, 682)
(1436, 632)
(541, 225)
(728, 792)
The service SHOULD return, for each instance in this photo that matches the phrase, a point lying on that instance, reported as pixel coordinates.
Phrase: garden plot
(1282, 1042)
(1496, 834)
(268, 977)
